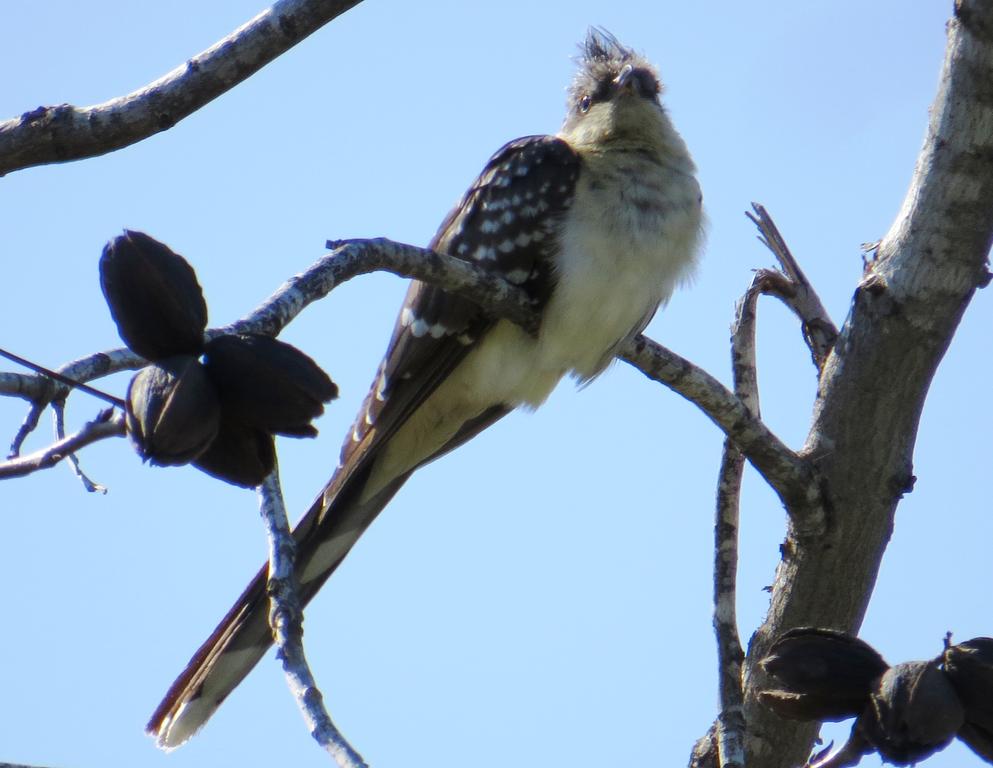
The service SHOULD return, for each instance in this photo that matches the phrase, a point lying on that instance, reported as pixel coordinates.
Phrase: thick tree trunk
(873, 386)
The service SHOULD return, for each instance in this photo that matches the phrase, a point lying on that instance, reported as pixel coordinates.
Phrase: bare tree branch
(28, 425)
(350, 258)
(60, 378)
(731, 726)
(17, 765)
(795, 290)
(286, 620)
(23, 385)
(875, 380)
(789, 475)
(41, 390)
(107, 424)
(61, 133)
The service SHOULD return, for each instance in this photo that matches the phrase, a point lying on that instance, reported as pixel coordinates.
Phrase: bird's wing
(507, 222)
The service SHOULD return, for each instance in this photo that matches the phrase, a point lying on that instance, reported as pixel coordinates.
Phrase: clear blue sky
(542, 596)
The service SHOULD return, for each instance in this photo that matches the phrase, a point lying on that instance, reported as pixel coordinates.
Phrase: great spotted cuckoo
(597, 224)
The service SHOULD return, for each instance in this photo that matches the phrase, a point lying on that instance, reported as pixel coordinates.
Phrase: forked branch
(108, 424)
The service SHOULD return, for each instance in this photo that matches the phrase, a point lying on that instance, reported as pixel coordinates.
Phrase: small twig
(28, 425)
(796, 291)
(58, 416)
(108, 423)
(65, 132)
(731, 724)
(286, 620)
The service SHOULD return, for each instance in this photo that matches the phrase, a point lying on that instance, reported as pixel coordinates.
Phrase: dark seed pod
(268, 384)
(154, 297)
(172, 411)
(978, 739)
(912, 713)
(795, 706)
(825, 674)
(240, 455)
(969, 666)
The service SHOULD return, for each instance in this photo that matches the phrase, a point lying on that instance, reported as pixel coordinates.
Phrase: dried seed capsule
(978, 739)
(172, 411)
(912, 713)
(240, 454)
(825, 674)
(154, 297)
(969, 666)
(268, 384)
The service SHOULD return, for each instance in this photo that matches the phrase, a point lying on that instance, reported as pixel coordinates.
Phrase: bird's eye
(584, 103)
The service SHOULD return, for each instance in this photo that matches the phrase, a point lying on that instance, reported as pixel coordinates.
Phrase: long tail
(324, 536)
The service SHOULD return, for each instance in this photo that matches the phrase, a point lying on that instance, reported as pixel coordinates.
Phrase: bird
(597, 224)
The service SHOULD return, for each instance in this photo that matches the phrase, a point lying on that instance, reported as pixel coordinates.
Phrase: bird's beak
(625, 79)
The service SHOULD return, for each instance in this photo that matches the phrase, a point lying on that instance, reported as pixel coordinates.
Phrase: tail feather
(350, 502)
(324, 536)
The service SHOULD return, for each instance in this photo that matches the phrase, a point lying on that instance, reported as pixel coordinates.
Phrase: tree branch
(286, 620)
(55, 376)
(875, 380)
(107, 424)
(58, 416)
(794, 289)
(17, 765)
(731, 727)
(61, 133)
(25, 386)
(789, 475)
(41, 390)
(350, 258)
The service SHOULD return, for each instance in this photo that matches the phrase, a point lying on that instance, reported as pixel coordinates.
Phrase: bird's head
(614, 99)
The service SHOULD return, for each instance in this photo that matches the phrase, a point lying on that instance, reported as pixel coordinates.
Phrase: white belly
(620, 260)
(621, 257)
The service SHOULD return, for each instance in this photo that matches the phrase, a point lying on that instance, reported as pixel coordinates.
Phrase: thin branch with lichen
(106, 424)
(731, 725)
(286, 620)
(57, 134)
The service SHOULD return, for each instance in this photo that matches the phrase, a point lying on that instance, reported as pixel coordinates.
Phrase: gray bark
(874, 383)
(56, 134)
